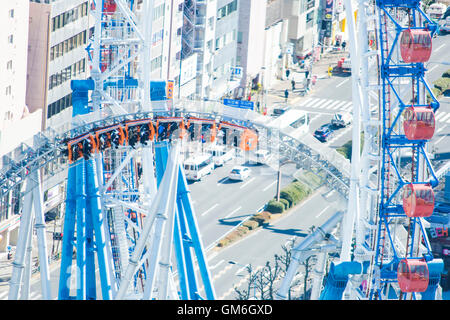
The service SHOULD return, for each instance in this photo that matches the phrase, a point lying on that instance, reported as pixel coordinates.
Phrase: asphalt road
(221, 203)
(261, 246)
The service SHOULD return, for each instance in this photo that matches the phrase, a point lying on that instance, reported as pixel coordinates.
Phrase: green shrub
(241, 230)
(442, 84)
(285, 202)
(446, 74)
(263, 216)
(303, 189)
(275, 206)
(251, 224)
(290, 194)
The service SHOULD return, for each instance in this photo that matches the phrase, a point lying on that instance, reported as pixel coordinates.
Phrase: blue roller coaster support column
(337, 279)
(97, 229)
(81, 229)
(185, 234)
(90, 257)
(75, 207)
(68, 237)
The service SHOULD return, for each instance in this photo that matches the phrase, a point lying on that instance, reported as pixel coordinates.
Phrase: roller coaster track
(48, 149)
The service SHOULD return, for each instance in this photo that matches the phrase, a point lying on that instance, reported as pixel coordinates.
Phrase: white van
(199, 166)
(342, 119)
(220, 154)
(436, 10)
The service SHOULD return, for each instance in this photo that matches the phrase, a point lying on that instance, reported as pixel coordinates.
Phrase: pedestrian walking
(344, 44)
(330, 71)
(306, 74)
(286, 94)
(288, 72)
(293, 85)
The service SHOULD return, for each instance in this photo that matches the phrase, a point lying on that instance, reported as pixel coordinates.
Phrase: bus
(198, 166)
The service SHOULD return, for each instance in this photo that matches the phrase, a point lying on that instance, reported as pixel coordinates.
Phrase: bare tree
(271, 275)
(284, 260)
(307, 265)
(263, 281)
(245, 293)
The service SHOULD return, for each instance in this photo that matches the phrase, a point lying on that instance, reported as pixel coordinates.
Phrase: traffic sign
(169, 89)
(239, 103)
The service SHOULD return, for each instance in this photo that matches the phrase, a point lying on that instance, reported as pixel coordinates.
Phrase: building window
(227, 9)
(156, 63)
(59, 105)
(69, 16)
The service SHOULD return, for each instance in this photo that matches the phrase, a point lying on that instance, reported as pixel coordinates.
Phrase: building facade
(18, 123)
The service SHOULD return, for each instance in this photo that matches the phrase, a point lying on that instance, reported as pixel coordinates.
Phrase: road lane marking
(445, 118)
(265, 189)
(232, 212)
(217, 264)
(309, 101)
(440, 47)
(322, 212)
(432, 68)
(247, 182)
(210, 209)
(441, 128)
(241, 269)
(347, 106)
(323, 104)
(439, 116)
(436, 142)
(340, 84)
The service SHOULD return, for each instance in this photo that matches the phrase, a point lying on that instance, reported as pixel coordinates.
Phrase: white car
(341, 119)
(262, 156)
(239, 173)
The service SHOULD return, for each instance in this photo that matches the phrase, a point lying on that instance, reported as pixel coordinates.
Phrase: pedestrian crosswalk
(335, 106)
(331, 105)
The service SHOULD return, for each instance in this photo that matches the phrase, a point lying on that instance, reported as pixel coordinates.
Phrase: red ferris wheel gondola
(413, 275)
(415, 45)
(418, 200)
(419, 123)
(109, 6)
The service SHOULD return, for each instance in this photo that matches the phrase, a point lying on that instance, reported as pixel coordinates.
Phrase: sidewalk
(275, 94)
(6, 265)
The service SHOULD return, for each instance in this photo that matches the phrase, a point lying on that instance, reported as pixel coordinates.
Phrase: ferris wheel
(383, 231)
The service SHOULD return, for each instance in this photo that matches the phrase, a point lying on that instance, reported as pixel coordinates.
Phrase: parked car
(341, 120)
(323, 133)
(239, 173)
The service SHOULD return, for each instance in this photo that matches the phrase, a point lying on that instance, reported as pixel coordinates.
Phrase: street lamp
(279, 176)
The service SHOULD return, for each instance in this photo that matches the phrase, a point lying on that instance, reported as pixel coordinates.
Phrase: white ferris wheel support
(134, 45)
(361, 211)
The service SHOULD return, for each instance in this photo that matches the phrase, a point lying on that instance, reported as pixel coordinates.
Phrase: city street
(334, 95)
(261, 246)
